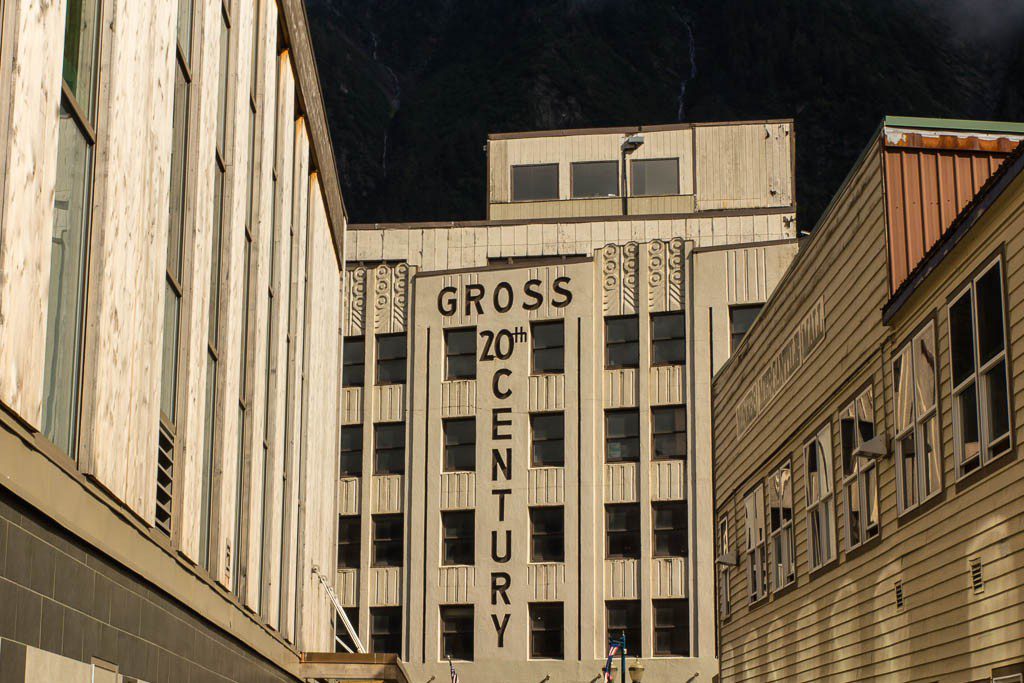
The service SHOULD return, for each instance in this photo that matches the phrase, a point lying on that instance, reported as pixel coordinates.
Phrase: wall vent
(164, 482)
(977, 576)
(898, 586)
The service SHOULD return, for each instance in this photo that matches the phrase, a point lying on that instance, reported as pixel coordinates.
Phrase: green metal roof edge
(954, 124)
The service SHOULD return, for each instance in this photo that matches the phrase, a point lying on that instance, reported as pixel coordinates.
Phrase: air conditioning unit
(729, 559)
(875, 448)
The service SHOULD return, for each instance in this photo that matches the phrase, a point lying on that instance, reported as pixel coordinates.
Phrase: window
(352, 451)
(671, 628)
(387, 541)
(669, 426)
(623, 619)
(460, 353)
(547, 433)
(757, 577)
(386, 630)
(655, 177)
(740, 320)
(548, 341)
(389, 448)
(76, 140)
(622, 521)
(857, 426)
(821, 512)
(780, 519)
(341, 634)
(459, 445)
(348, 542)
(670, 529)
(724, 589)
(977, 347)
(457, 632)
(918, 463)
(534, 182)
(391, 358)
(353, 361)
(458, 533)
(668, 339)
(622, 435)
(622, 348)
(547, 534)
(595, 178)
(546, 634)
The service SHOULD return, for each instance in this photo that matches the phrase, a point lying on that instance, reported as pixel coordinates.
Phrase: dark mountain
(413, 86)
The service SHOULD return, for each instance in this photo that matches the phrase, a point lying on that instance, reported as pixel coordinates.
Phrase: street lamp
(636, 671)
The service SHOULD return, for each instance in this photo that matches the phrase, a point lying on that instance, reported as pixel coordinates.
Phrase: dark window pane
(669, 432)
(655, 176)
(389, 448)
(386, 630)
(535, 182)
(348, 542)
(621, 337)
(391, 349)
(457, 632)
(670, 529)
(671, 628)
(622, 523)
(668, 339)
(548, 440)
(961, 338)
(623, 618)
(81, 38)
(595, 179)
(460, 354)
(998, 408)
(353, 355)
(342, 634)
(547, 534)
(622, 435)
(387, 541)
(352, 451)
(457, 537)
(546, 637)
(990, 314)
(548, 341)
(459, 445)
(740, 320)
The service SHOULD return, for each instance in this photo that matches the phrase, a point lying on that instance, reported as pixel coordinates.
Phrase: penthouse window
(458, 538)
(351, 451)
(548, 346)
(978, 362)
(671, 628)
(780, 520)
(353, 361)
(389, 448)
(621, 342)
(387, 541)
(669, 529)
(918, 465)
(757, 575)
(668, 339)
(391, 350)
(821, 512)
(459, 445)
(460, 353)
(547, 534)
(724, 588)
(457, 632)
(622, 435)
(860, 478)
(595, 179)
(534, 182)
(653, 177)
(740, 320)
(348, 542)
(547, 436)
(622, 522)
(623, 617)
(546, 630)
(386, 630)
(669, 426)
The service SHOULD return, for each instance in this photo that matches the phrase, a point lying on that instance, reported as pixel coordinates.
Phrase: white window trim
(755, 549)
(825, 501)
(916, 428)
(784, 534)
(984, 438)
(724, 588)
(862, 467)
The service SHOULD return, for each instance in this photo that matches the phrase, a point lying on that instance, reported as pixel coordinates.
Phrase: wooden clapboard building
(867, 471)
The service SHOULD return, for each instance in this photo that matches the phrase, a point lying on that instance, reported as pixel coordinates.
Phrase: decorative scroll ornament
(355, 302)
(619, 276)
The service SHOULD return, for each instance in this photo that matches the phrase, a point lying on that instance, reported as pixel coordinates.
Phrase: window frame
(534, 348)
(633, 176)
(608, 439)
(733, 343)
(345, 364)
(684, 432)
(677, 605)
(394, 616)
(681, 339)
(466, 639)
(608, 345)
(448, 377)
(594, 162)
(446, 540)
(512, 182)
(979, 371)
(781, 538)
(630, 608)
(627, 532)
(379, 360)
(756, 544)
(906, 356)
(376, 541)
(343, 452)
(377, 450)
(534, 631)
(863, 475)
(449, 448)
(357, 543)
(724, 585)
(534, 441)
(536, 511)
(674, 506)
(824, 503)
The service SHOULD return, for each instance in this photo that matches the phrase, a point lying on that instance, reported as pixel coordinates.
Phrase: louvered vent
(898, 585)
(164, 483)
(977, 575)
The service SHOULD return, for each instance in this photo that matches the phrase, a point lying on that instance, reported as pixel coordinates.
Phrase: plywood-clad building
(171, 241)
(867, 477)
(525, 463)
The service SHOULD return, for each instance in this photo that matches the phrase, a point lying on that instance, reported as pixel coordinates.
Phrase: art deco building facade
(171, 234)
(525, 462)
(867, 470)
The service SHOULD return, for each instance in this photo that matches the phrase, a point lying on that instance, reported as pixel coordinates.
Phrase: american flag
(451, 668)
(613, 650)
